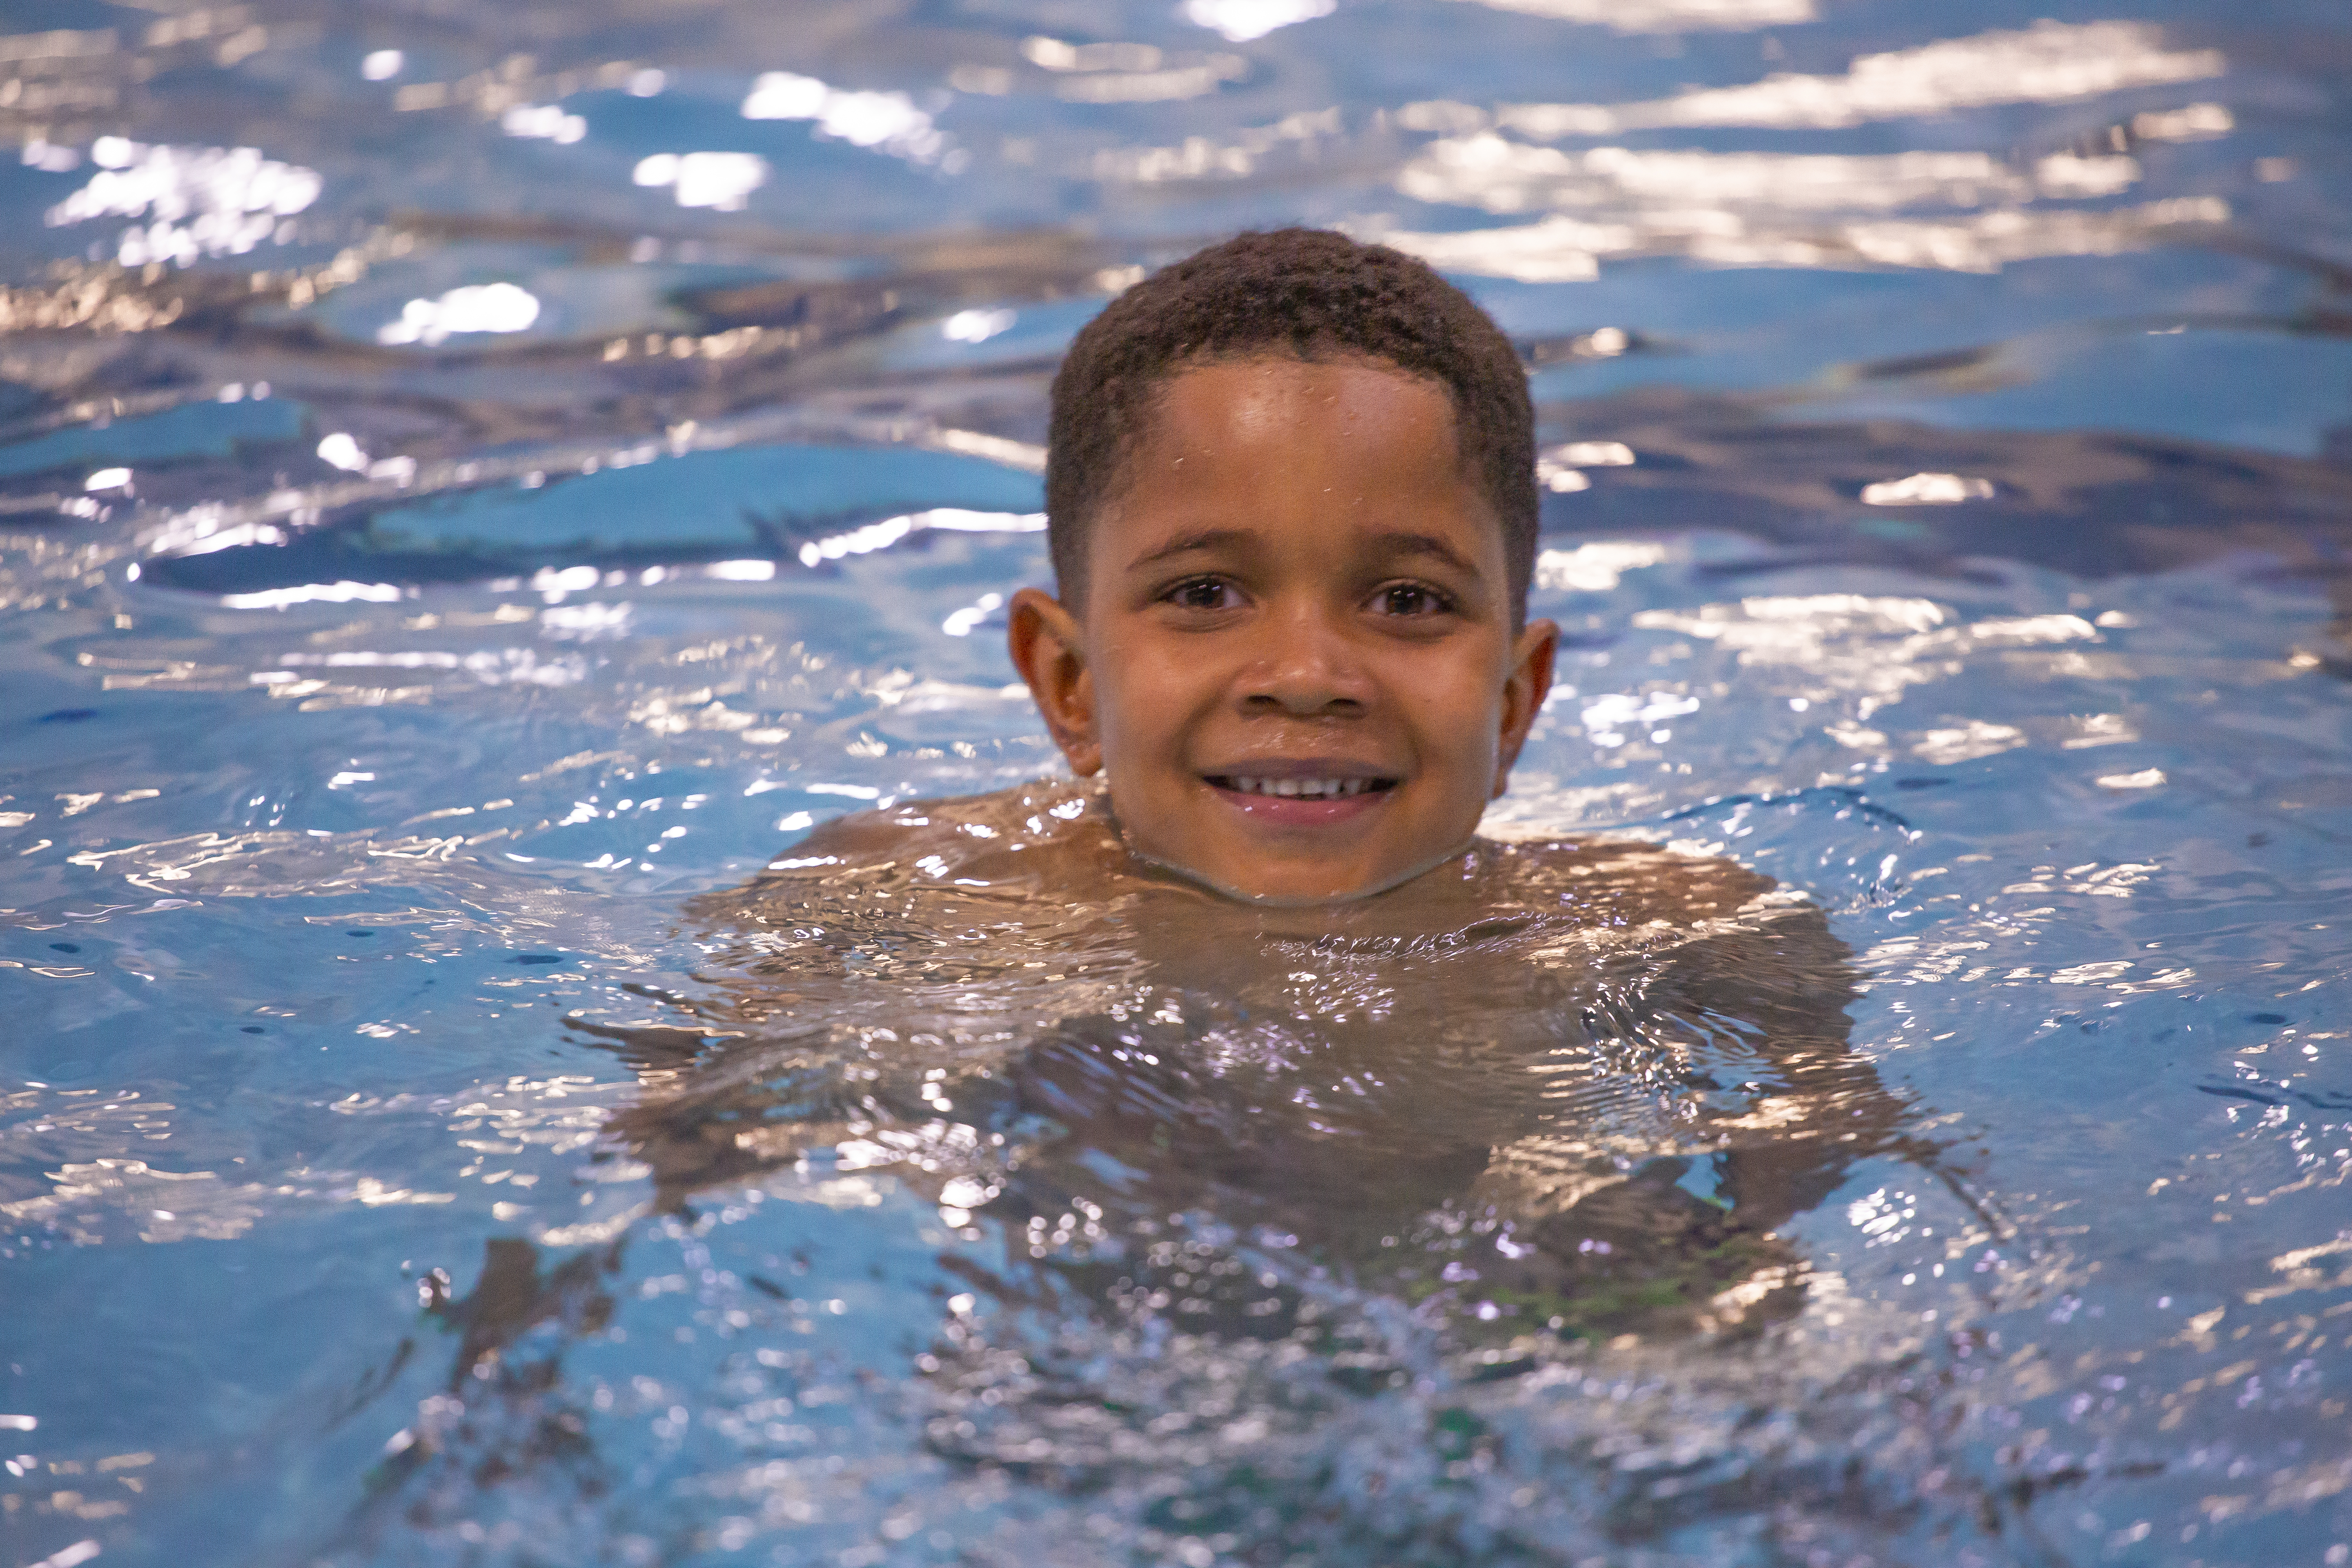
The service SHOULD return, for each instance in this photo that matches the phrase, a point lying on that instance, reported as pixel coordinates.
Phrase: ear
(1523, 691)
(1047, 647)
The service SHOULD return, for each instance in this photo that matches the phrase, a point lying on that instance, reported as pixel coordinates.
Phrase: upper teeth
(1248, 785)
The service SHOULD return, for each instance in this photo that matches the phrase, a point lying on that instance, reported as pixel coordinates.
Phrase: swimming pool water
(448, 551)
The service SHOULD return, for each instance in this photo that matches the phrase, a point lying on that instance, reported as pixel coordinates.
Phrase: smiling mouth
(1300, 789)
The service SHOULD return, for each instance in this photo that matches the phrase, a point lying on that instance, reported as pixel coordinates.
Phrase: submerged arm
(1762, 1002)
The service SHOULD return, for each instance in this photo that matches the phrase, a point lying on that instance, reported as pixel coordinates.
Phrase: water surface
(477, 493)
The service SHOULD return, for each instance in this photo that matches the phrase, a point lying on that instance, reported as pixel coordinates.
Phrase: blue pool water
(449, 547)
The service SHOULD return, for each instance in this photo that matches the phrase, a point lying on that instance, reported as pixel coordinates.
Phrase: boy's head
(1291, 486)
(1309, 294)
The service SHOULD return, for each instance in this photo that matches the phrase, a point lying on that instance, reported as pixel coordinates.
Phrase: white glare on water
(1667, 15)
(1595, 568)
(476, 308)
(1239, 21)
(2047, 63)
(341, 450)
(543, 122)
(975, 326)
(889, 122)
(890, 529)
(342, 593)
(723, 181)
(964, 622)
(1926, 490)
(199, 201)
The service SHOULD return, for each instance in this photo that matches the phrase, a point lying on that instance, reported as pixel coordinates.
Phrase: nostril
(1313, 708)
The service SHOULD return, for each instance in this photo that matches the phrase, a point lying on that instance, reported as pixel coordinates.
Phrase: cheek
(1456, 709)
(1142, 697)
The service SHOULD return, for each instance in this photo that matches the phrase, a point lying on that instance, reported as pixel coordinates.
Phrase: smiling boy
(1256, 957)
(1292, 511)
(1293, 503)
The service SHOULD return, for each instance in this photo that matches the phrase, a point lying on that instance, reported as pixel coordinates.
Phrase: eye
(1203, 593)
(1413, 599)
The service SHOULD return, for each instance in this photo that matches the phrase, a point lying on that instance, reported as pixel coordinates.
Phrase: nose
(1307, 669)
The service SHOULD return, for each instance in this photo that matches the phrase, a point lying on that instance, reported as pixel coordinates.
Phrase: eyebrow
(1401, 541)
(1396, 541)
(1187, 543)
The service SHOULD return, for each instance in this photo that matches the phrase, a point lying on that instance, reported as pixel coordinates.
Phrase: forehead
(1341, 459)
(1287, 408)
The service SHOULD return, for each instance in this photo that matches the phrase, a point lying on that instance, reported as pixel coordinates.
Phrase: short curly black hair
(1303, 291)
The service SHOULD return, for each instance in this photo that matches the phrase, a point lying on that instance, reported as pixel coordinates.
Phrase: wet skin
(1492, 1038)
(1293, 656)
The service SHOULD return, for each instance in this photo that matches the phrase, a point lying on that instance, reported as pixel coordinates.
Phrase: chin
(1304, 889)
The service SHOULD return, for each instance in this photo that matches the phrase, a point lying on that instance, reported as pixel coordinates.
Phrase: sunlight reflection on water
(455, 549)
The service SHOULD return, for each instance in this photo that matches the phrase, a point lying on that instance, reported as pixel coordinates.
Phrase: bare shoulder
(1725, 935)
(959, 833)
(1623, 881)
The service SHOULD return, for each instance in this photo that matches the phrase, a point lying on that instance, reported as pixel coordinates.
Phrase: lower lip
(1293, 811)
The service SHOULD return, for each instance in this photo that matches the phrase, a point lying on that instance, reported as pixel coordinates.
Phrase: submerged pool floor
(476, 491)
